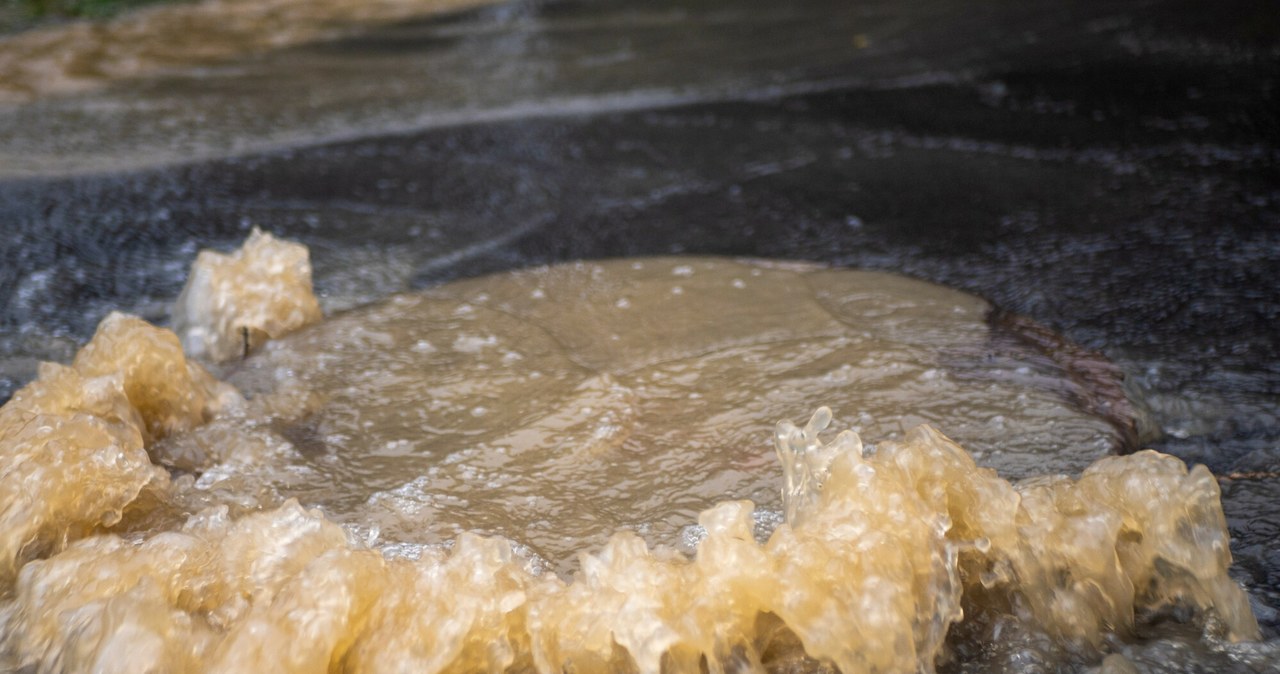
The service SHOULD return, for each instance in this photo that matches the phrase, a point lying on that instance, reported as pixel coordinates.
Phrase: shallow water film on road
(549, 471)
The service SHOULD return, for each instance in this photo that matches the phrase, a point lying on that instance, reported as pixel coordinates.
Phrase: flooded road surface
(84, 56)
(1108, 169)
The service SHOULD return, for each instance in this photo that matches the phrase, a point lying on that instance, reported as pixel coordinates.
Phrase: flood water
(1106, 171)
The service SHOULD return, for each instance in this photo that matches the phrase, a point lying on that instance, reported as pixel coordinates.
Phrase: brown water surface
(85, 55)
(482, 477)
(566, 468)
(556, 406)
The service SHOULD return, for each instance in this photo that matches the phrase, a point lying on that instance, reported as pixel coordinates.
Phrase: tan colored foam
(74, 440)
(233, 303)
(869, 577)
(112, 563)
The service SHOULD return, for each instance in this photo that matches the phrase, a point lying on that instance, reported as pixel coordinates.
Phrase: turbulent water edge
(114, 558)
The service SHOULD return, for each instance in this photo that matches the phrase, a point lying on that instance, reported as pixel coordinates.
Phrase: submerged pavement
(1108, 169)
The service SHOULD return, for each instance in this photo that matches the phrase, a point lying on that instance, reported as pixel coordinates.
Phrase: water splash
(116, 557)
(805, 460)
(233, 303)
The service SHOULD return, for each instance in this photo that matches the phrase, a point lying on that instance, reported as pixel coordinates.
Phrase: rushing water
(556, 407)
(87, 55)
(549, 470)
(1106, 168)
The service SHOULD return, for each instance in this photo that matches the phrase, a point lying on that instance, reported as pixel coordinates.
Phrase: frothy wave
(133, 536)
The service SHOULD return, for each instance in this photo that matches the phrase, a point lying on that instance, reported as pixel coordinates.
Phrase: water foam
(871, 568)
(140, 532)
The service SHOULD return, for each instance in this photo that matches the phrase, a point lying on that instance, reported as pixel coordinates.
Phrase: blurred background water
(1107, 168)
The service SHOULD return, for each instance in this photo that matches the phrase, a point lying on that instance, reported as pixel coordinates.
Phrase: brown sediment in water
(84, 55)
(642, 414)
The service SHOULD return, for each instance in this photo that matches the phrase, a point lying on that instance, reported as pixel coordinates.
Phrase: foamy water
(550, 471)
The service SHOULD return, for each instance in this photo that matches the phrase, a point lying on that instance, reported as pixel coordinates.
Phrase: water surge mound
(880, 554)
(74, 455)
(542, 472)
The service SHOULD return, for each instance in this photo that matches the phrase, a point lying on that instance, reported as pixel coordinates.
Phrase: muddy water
(508, 61)
(1106, 168)
(87, 55)
(566, 468)
(555, 407)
